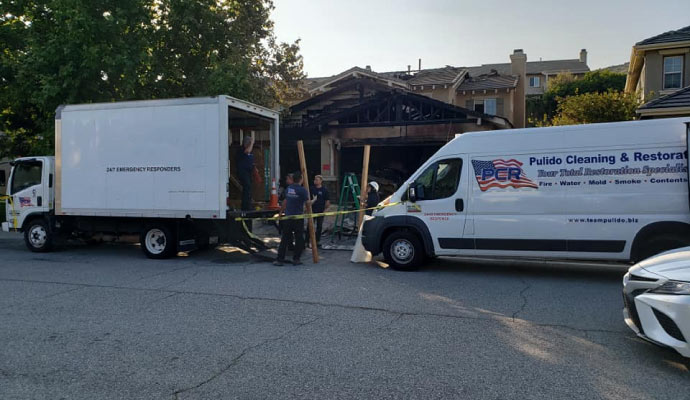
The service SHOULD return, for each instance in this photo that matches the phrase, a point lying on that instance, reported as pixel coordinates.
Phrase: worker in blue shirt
(295, 198)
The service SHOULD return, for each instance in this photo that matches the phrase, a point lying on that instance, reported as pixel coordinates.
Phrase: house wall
(437, 92)
(535, 90)
(508, 98)
(652, 76)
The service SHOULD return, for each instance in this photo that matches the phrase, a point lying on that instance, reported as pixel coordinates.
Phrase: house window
(534, 81)
(479, 106)
(490, 106)
(486, 106)
(673, 72)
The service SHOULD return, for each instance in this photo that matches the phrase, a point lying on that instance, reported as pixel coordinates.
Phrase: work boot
(296, 262)
(278, 263)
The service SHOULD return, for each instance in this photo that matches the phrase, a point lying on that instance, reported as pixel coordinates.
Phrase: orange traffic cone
(273, 204)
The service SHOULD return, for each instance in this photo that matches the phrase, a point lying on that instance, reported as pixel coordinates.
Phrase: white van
(614, 191)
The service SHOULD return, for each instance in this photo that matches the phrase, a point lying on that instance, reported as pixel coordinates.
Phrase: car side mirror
(412, 194)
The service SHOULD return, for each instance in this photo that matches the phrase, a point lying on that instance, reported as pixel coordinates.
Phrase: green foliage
(56, 52)
(595, 107)
(541, 109)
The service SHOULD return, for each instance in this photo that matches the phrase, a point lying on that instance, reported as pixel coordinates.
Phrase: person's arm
(249, 149)
(283, 207)
(327, 197)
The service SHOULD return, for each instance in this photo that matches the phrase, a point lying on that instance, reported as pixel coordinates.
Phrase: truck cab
(30, 196)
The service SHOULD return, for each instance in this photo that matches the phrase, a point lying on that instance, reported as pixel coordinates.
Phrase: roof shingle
(678, 35)
(679, 98)
(490, 81)
(533, 67)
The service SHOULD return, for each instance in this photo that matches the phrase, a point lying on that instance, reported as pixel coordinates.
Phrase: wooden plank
(305, 183)
(365, 179)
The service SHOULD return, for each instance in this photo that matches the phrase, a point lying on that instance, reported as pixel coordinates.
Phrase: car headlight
(673, 287)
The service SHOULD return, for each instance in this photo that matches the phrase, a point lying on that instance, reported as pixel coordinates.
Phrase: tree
(541, 109)
(56, 52)
(595, 107)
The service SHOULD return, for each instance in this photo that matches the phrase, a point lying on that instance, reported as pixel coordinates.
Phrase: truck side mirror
(412, 194)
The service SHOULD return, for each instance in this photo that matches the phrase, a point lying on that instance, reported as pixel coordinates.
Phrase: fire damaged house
(360, 107)
(405, 116)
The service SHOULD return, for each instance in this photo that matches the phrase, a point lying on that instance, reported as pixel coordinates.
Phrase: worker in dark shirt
(372, 196)
(295, 197)
(245, 168)
(319, 203)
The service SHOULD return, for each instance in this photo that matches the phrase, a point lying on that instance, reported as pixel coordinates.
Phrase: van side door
(441, 198)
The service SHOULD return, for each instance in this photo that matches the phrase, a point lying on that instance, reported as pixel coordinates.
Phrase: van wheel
(38, 237)
(158, 242)
(403, 251)
(659, 244)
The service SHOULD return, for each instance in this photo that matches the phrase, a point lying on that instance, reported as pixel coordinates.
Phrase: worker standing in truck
(245, 169)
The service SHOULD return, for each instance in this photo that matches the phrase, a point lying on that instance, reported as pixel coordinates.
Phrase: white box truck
(157, 168)
(613, 191)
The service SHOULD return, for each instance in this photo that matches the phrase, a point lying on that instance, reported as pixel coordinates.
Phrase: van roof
(568, 137)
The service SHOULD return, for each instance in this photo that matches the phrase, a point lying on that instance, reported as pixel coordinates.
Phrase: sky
(390, 35)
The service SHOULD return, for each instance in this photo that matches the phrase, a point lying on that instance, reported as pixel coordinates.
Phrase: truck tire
(403, 251)
(38, 237)
(157, 242)
(659, 244)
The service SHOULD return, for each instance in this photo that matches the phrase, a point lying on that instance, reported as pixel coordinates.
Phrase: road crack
(523, 296)
(239, 357)
(316, 303)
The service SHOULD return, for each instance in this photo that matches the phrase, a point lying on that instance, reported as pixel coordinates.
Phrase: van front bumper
(371, 234)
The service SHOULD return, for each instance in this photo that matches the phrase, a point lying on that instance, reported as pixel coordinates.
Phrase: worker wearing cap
(372, 196)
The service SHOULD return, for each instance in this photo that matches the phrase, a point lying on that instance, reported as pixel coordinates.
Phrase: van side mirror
(412, 194)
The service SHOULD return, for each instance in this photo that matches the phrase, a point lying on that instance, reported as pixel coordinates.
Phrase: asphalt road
(106, 323)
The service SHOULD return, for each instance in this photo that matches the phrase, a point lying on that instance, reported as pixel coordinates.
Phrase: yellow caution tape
(315, 215)
(11, 203)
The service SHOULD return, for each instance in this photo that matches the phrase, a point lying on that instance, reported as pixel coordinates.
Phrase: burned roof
(436, 76)
(679, 98)
(489, 81)
(533, 67)
(679, 35)
(314, 83)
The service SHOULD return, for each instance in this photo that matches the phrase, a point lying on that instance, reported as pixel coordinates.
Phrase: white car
(656, 294)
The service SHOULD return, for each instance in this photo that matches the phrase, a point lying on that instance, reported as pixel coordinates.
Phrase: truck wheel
(38, 237)
(157, 242)
(403, 251)
(659, 244)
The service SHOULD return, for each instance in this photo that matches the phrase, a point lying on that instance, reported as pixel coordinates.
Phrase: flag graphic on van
(501, 174)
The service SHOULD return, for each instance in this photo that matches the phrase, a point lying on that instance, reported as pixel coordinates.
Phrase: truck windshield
(26, 175)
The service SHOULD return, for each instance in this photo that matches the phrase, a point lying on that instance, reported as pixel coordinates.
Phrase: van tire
(659, 244)
(157, 242)
(403, 251)
(37, 236)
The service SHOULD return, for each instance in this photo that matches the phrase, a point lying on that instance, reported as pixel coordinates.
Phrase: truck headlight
(672, 287)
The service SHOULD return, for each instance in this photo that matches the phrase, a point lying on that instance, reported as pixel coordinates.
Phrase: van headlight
(672, 287)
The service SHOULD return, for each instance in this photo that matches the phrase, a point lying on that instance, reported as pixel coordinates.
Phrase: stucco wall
(535, 90)
(652, 77)
(508, 103)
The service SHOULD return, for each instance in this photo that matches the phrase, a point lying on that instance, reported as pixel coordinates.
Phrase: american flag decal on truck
(501, 174)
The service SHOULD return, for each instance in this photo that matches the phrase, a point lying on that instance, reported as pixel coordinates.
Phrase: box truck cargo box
(128, 166)
(614, 191)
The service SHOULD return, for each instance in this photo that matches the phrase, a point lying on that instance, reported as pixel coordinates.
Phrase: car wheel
(38, 237)
(403, 251)
(158, 242)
